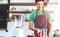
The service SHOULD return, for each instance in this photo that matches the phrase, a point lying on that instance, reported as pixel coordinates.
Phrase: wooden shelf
(4, 4)
(25, 12)
(23, 4)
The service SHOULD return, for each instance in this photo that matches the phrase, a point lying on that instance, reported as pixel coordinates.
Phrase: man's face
(40, 4)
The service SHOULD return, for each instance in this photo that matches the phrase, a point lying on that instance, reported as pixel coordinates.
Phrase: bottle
(39, 33)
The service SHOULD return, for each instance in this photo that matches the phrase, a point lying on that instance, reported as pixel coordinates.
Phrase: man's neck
(40, 9)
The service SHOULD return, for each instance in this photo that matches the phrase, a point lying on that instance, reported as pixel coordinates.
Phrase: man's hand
(38, 31)
(48, 35)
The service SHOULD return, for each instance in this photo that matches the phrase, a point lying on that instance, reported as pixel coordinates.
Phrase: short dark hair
(45, 3)
(38, 0)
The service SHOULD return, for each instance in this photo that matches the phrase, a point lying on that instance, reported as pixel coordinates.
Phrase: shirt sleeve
(31, 17)
(48, 16)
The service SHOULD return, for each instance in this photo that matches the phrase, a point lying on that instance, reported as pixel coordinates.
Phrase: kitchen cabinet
(4, 15)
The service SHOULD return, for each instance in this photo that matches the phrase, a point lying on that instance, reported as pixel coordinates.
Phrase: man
(41, 20)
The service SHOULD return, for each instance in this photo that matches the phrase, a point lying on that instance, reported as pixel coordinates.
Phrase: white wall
(24, 1)
(3, 1)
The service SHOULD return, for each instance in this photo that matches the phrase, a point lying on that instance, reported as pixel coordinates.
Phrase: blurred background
(16, 16)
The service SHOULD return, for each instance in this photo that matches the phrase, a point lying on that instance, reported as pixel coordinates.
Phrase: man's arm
(31, 22)
(50, 26)
(31, 26)
(50, 23)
